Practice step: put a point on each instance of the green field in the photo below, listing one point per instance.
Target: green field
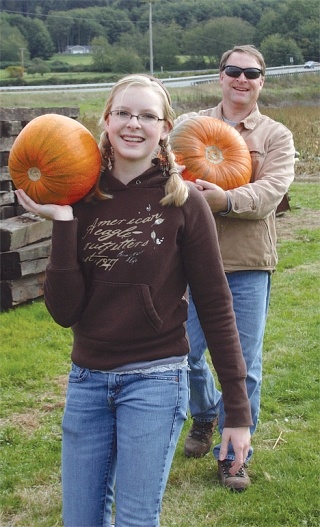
(285, 468)
(34, 358)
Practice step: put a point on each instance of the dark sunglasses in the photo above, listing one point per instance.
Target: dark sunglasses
(235, 71)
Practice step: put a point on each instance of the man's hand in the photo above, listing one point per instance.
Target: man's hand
(240, 439)
(215, 196)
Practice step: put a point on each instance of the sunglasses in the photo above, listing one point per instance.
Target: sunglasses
(235, 71)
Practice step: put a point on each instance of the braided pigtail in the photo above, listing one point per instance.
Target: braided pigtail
(106, 150)
(176, 189)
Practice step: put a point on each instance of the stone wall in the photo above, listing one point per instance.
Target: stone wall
(25, 239)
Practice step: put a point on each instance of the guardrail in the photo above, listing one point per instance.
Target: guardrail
(169, 82)
(270, 72)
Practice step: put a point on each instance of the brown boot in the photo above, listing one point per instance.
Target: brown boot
(239, 482)
(199, 439)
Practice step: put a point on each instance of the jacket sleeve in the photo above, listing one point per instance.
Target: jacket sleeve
(213, 301)
(64, 285)
(273, 173)
(273, 157)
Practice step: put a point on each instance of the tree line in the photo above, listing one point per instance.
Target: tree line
(186, 34)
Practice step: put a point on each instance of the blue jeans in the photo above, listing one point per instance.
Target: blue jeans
(250, 291)
(119, 436)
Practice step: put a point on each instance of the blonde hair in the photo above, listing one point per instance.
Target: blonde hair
(176, 190)
(250, 50)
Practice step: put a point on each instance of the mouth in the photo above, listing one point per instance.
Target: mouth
(132, 139)
(238, 88)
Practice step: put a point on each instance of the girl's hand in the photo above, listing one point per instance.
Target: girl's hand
(240, 439)
(48, 211)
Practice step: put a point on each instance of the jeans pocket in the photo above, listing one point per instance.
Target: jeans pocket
(78, 374)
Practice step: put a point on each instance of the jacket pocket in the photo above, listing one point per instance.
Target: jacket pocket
(246, 244)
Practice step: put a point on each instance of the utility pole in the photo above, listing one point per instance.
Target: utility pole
(150, 38)
(22, 59)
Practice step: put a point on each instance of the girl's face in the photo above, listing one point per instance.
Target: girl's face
(135, 140)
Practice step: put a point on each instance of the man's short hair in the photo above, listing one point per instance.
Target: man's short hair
(249, 50)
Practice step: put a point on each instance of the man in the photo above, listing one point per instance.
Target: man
(245, 219)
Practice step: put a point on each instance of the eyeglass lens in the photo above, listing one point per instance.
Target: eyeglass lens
(147, 118)
(235, 71)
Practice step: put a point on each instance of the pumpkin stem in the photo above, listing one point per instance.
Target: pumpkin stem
(214, 155)
(34, 173)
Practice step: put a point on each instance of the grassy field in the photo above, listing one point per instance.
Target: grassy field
(34, 358)
(285, 468)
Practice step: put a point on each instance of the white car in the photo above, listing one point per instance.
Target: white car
(310, 64)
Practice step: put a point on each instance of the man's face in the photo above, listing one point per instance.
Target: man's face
(241, 91)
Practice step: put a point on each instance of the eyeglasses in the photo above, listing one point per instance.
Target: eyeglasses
(235, 71)
(145, 118)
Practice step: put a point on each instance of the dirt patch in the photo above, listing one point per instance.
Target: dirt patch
(289, 225)
(297, 219)
(30, 420)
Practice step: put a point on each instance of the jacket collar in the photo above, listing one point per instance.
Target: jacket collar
(248, 122)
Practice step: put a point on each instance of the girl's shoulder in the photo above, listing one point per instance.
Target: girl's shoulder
(195, 195)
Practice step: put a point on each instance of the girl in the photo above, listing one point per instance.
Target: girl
(120, 263)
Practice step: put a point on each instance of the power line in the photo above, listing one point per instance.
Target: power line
(84, 17)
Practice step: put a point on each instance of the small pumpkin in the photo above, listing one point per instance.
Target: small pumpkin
(211, 150)
(54, 159)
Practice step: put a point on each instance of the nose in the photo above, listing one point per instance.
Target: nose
(242, 76)
(134, 123)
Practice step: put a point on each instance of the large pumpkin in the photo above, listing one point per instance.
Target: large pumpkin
(54, 159)
(211, 150)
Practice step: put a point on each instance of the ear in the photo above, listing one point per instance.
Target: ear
(166, 129)
(261, 82)
(106, 123)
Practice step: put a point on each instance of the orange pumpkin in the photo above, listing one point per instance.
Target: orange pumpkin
(54, 159)
(211, 150)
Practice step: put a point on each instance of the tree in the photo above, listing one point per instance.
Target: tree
(293, 19)
(40, 42)
(268, 25)
(38, 66)
(303, 26)
(14, 47)
(216, 36)
(166, 46)
(99, 21)
(59, 26)
(37, 35)
(277, 51)
(308, 44)
(15, 72)
(102, 54)
(126, 61)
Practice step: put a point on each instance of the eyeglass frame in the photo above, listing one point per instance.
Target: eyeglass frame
(242, 70)
(154, 118)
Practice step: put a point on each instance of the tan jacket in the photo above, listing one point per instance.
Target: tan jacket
(247, 234)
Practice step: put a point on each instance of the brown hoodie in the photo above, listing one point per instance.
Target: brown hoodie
(118, 274)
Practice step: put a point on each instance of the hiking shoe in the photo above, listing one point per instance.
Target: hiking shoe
(239, 482)
(199, 439)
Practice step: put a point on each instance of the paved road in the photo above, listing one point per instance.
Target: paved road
(174, 82)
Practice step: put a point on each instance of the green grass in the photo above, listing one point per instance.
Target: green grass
(76, 59)
(285, 467)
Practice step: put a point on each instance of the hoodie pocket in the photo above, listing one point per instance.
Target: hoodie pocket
(120, 311)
